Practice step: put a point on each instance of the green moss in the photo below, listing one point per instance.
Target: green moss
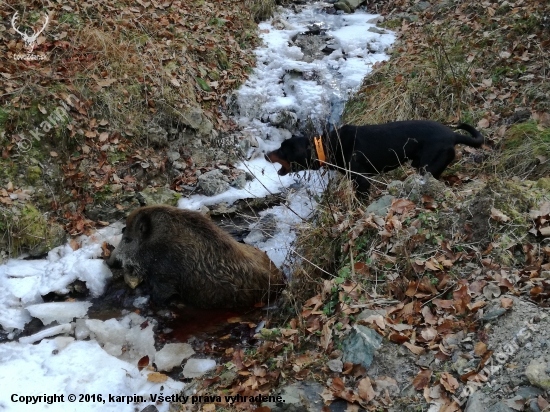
(391, 24)
(34, 173)
(116, 156)
(520, 133)
(70, 18)
(29, 232)
(222, 59)
(214, 75)
(525, 146)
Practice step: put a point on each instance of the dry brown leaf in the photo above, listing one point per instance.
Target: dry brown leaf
(449, 382)
(365, 390)
(417, 350)
(402, 206)
(506, 303)
(422, 380)
(157, 377)
(483, 124)
(480, 348)
(498, 215)
(428, 334)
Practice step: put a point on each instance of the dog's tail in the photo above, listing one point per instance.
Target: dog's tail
(476, 141)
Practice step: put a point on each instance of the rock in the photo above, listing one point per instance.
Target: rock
(366, 313)
(529, 392)
(150, 408)
(158, 196)
(179, 165)
(395, 188)
(360, 345)
(299, 397)
(420, 6)
(376, 30)
(500, 407)
(213, 182)
(240, 180)
(335, 365)
(376, 20)
(534, 406)
(109, 212)
(537, 373)
(476, 402)
(417, 185)
(173, 155)
(348, 6)
(194, 117)
(494, 314)
(195, 368)
(284, 118)
(171, 355)
(263, 230)
(381, 206)
(342, 5)
(157, 136)
(426, 360)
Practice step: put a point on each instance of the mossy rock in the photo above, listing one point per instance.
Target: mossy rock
(158, 196)
(28, 231)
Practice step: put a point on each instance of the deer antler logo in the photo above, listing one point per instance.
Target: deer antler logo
(29, 40)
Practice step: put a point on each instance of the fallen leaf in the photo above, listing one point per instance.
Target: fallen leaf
(422, 379)
(417, 350)
(365, 390)
(449, 382)
(480, 348)
(157, 377)
(498, 215)
(143, 362)
(506, 303)
(483, 124)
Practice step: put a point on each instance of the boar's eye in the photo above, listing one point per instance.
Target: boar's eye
(127, 239)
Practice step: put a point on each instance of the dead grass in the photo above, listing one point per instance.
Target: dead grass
(524, 152)
(434, 84)
(318, 246)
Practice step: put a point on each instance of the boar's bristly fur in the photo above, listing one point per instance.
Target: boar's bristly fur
(182, 252)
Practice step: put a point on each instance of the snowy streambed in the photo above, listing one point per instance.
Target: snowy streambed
(310, 62)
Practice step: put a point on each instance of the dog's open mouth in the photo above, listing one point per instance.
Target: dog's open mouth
(274, 158)
(282, 171)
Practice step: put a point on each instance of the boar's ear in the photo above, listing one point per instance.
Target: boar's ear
(144, 226)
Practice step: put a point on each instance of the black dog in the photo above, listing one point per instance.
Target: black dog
(373, 149)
